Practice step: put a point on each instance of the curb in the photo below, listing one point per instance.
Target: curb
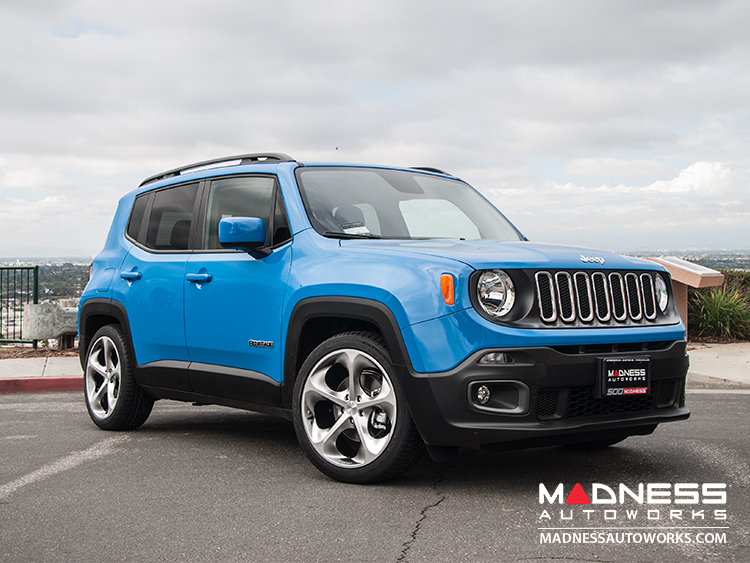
(40, 384)
(698, 381)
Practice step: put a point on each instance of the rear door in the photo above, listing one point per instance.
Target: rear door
(150, 283)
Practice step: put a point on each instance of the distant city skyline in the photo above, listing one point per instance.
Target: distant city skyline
(619, 126)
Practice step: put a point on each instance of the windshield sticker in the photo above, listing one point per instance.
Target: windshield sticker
(355, 228)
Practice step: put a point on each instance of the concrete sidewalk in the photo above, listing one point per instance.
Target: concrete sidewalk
(723, 366)
(27, 375)
(712, 366)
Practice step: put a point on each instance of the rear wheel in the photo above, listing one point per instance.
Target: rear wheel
(350, 413)
(113, 398)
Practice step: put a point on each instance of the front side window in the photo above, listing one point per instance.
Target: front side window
(246, 196)
(398, 204)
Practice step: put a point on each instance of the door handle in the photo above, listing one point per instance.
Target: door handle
(199, 278)
(131, 276)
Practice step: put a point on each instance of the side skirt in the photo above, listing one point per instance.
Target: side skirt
(212, 384)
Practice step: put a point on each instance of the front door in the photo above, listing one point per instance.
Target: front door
(233, 300)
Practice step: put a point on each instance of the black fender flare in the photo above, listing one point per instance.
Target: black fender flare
(106, 308)
(354, 308)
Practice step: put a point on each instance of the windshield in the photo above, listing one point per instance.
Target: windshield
(379, 203)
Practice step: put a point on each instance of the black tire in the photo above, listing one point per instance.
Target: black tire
(350, 412)
(113, 398)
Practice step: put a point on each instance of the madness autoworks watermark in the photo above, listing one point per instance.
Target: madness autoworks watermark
(656, 513)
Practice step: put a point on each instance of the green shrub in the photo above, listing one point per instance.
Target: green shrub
(738, 280)
(719, 312)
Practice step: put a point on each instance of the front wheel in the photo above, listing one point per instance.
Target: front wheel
(350, 413)
(114, 399)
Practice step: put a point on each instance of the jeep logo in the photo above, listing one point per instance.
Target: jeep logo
(597, 259)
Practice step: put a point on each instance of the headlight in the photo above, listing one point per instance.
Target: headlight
(496, 293)
(662, 297)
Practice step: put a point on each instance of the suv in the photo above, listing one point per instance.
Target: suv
(380, 309)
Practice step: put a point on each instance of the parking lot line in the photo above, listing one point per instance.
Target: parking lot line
(96, 451)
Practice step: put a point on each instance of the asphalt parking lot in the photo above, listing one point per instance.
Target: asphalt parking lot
(215, 484)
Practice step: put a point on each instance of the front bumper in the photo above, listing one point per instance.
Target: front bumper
(547, 395)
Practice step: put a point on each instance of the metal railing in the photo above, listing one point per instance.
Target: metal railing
(19, 285)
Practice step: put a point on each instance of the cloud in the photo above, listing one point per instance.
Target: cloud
(702, 177)
(537, 102)
(615, 167)
(704, 205)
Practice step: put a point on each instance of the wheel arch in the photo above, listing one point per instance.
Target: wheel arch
(96, 313)
(316, 319)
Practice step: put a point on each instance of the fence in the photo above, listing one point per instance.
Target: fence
(18, 286)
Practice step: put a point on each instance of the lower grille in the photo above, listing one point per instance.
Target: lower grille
(546, 403)
(582, 403)
(579, 402)
(665, 397)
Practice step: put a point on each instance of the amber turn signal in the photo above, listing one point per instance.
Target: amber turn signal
(446, 285)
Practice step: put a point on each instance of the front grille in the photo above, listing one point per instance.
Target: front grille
(585, 297)
(580, 402)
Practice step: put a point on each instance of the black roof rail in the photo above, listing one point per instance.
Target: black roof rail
(430, 169)
(254, 158)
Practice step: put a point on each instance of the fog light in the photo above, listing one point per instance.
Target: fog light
(496, 358)
(483, 394)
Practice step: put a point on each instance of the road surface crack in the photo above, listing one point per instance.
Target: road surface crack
(442, 476)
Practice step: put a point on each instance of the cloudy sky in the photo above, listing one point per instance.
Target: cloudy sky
(617, 125)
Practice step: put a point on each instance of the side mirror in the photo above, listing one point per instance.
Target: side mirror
(244, 233)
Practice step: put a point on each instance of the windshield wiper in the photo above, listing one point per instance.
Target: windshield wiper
(332, 234)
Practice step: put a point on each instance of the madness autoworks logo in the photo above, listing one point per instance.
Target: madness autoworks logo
(642, 513)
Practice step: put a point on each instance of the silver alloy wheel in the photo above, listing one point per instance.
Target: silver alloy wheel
(103, 377)
(348, 408)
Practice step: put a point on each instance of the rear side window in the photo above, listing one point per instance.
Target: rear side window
(171, 218)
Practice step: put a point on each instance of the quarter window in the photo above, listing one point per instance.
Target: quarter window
(136, 217)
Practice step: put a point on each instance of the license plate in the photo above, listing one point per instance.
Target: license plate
(624, 377)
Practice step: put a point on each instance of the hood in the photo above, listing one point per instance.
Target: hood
(482, 255)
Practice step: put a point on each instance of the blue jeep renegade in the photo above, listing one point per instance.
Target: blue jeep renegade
(380, 309)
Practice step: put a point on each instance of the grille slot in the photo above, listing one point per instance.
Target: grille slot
(617, 288)
(634, 296)
(649, 299)
(546, 298)
(565, 296)
(601, 296)
(584, 297)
